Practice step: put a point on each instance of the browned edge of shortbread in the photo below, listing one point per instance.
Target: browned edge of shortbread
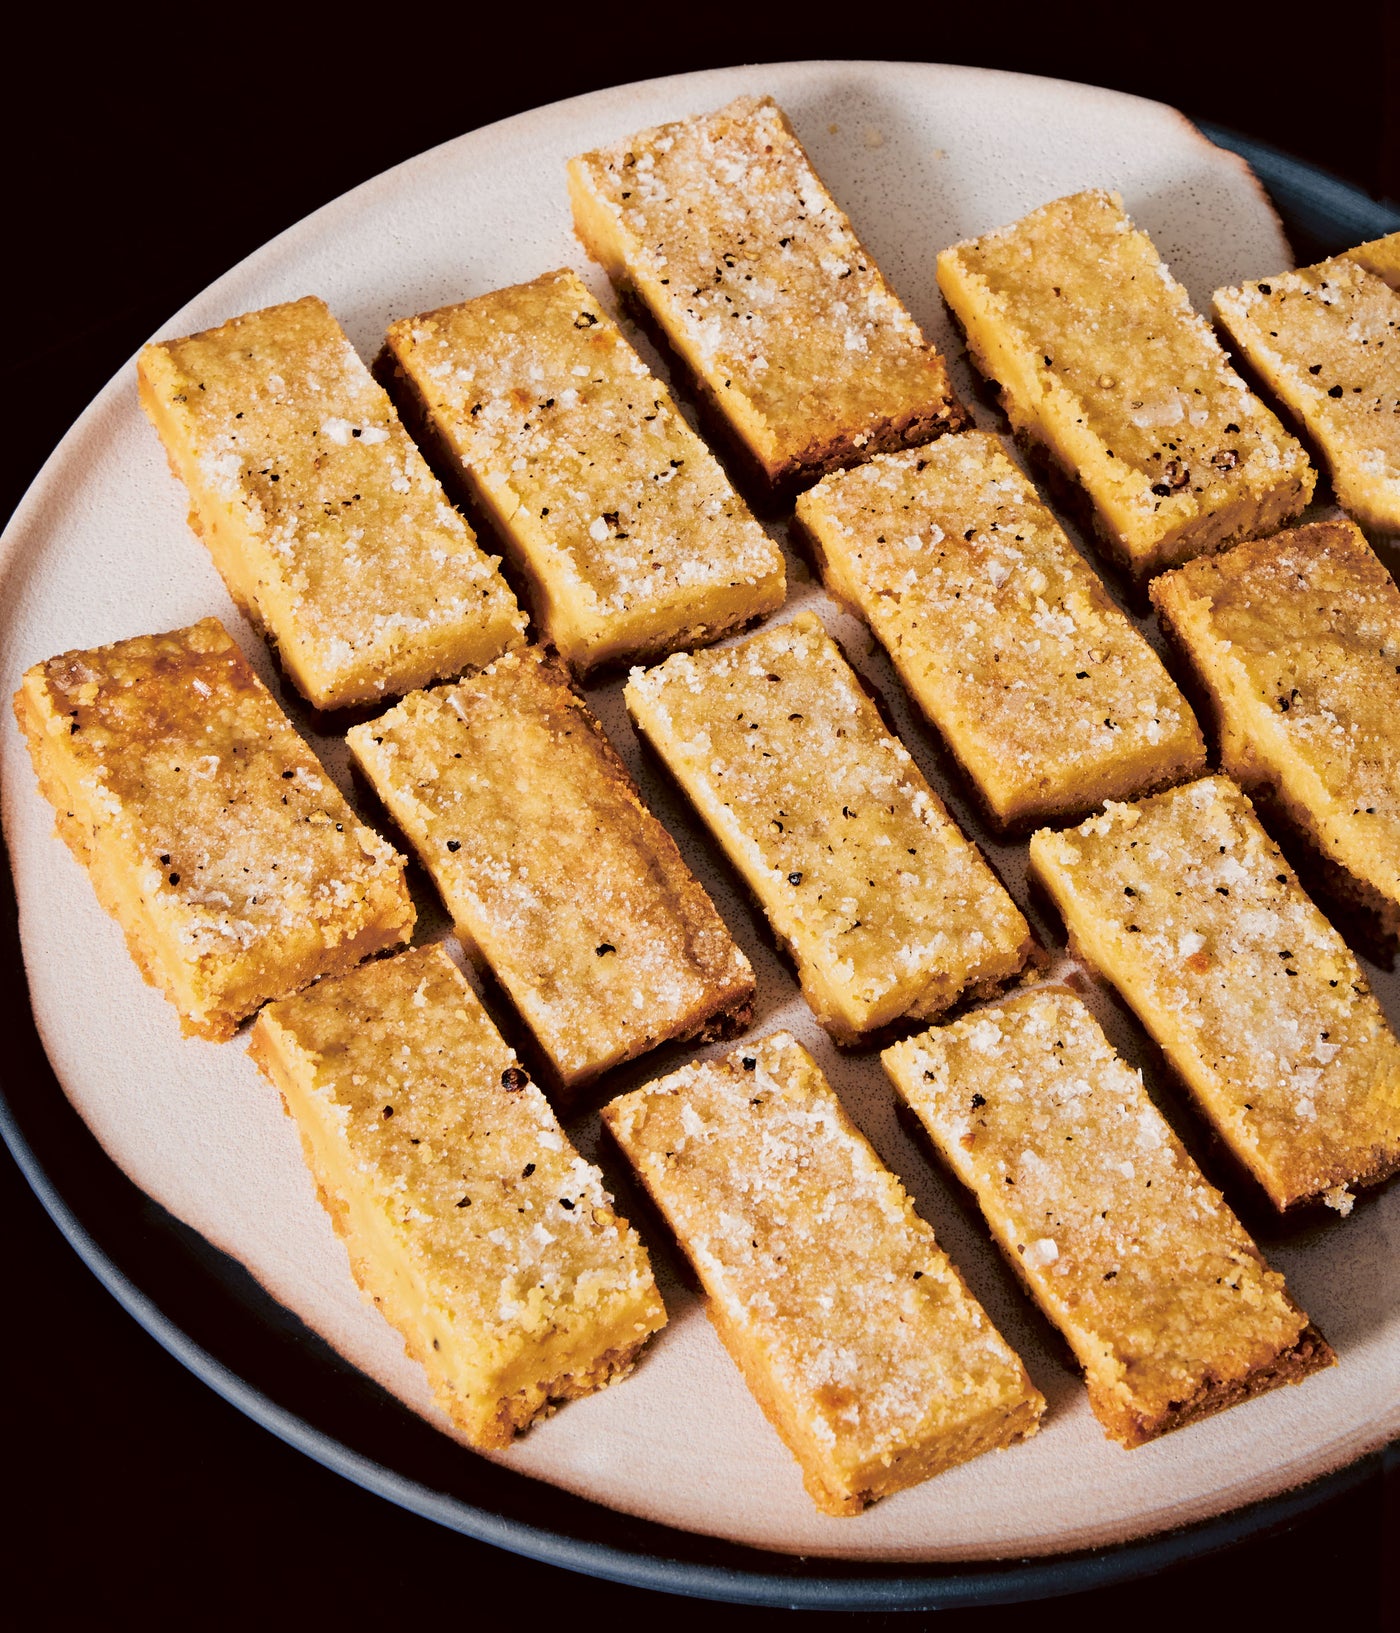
(1311, 1353)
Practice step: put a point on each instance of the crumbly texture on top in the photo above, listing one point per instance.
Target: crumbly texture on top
(1047, 694)
(1381, 256)
(1191, 911)
(553, 869)
(470, 1218)
(887, 908)
(858, 1337)
(322, 516)
(630, 528)
(234, 864)
(1103, 365)
(1136, 1259)
(1326, 341)
(721, 226)
(1297, 640)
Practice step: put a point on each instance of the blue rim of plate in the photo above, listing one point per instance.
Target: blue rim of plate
(205, 1309)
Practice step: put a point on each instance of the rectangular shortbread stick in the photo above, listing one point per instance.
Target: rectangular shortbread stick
(211, 834)
(555, 873)
(852, 1328)
(887, 909)
(1050, 699)
(329, 529)
(470, 1220)
(719, 226)
(1190, 910)
(1296, 641)
(1103, 367)
(1161, 1293)
(1325, 340)
(630, 535)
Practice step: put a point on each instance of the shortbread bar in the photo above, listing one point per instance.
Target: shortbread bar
(855, 1333)
(555, 873)
(1103, 368)
(210, 832)
(886, 908)
(719, 226)
(1185, 904)
(1381, 257)
(470, 1219)
(1325, 340)
(1158, 1288)
(1296, 640)
(329, 529)
(628, 531)
(1048, 696)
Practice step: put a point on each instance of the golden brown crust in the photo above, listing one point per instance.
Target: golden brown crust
(856, 1335)
(887, 910)
(1295, 641)
(469, 1219)
(210, 832)
(1312, 1353)
(552, 866)
(1187, 906)
(629, 534)
(1322, 340)
(1047, 696)
(1114, 1232)
(324, 521)
(720, 217)
(1100, 360)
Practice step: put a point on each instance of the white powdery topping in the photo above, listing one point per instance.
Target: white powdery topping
(763, 269)
(984, 1036)
(1042, 1252)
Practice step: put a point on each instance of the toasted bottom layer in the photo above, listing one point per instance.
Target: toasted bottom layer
(1312, 1353)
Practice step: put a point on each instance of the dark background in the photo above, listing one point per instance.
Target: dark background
(148, 160)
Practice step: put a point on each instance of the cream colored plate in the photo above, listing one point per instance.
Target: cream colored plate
(920, 157)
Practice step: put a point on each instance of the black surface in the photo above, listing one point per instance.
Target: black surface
(135, 1489)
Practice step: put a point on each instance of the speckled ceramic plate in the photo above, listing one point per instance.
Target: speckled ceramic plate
(672, 1479)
